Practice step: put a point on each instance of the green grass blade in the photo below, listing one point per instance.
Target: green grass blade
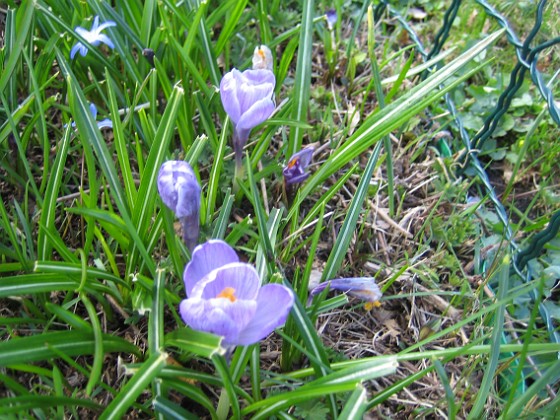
(264, 239)
(120, 142)
(44, 248)
(355, 406)
(521, 406)
(19, 405)
(197, 342)
(303, 77)
(156, 322)
(134, 387)
(26, 10)
(340, 247)
(488, 378)
(36, 348)
(96, 368)
(169, 410)
(230, 397)
(215, 172)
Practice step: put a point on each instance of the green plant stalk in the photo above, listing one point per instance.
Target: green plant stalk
(519, 374)
(228, 396)
(302, 77)
(381, 102)
(134, 387)
(488, 378)
(97, 367)
(345, 235)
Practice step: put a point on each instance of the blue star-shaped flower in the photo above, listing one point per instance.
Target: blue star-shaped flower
(93, 36)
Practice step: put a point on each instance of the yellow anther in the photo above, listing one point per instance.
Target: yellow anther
(228, 293)
(370, 305)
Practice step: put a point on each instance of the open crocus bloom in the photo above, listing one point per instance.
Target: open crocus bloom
(93, 37)
(225, 297)
(179, 190)
(294, 172)
(248, 100)
(363, 288)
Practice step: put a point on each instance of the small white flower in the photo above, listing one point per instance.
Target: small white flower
(93, 36)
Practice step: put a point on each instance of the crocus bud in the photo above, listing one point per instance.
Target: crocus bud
(179, 190)
(294, 172)
(248, 100)
(331, 18)
(262, 58)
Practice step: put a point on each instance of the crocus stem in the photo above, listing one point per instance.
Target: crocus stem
(238, 143)
(223, 405)
(190, 225)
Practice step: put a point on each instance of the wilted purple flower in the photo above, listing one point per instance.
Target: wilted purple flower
(363, 288)
(179, 190)
(331, 18)
(93, 36)
(248, 100)
(225, 297)
(294, 172)
(262, 58)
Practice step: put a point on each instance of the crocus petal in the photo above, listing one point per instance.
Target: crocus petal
(206, 258)
(93, 110)
(331, 18)
(106, 40)
(256, 114)
(239, 277)
(261, 77)
(78, 47)
(296, 179)
(104, 25)
(218, 316)
(274, 303)
(84, 33)
(304, 156)
(294, 171)
(363, 288)
(178, 187)
(228, 94)
(106, 123)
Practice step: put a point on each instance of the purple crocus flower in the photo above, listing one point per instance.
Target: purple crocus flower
(225, 297)
(331, 18)
(179, 190)
(294, 172)
(93, 37)
(363, 288)
(248, 100)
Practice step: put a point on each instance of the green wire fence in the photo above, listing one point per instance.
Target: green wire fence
(527, 58)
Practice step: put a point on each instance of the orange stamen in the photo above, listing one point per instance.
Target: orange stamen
(228, 293)
(261, 53)
(292, 163)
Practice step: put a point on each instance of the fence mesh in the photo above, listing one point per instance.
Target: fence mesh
(527, 55)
